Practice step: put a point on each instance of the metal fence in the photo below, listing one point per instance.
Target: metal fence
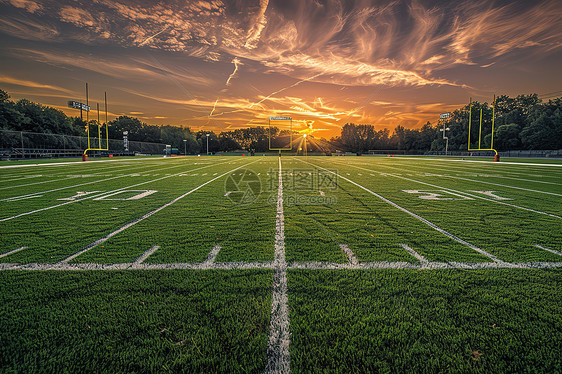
(22, 144)
(522, 153)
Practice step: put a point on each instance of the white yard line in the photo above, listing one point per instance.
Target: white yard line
(31, 184)
(100, 180)
(91, 162)
(503, 185)
(99, 195)
(12, 252)
(424, 266)
(484, 162)
(430, 224)
(278, 358)
(20, 178)
(420, 258)
(470, 169)
(130, 224)
(349, 254)
(295, 265)
(549, 250)
(460, 192)
(145, 255)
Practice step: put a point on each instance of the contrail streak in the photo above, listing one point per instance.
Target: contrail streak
(214, 106)
(284, 89)
(236, 63)
(153, 36)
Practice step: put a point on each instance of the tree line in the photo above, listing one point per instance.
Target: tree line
(521, 123)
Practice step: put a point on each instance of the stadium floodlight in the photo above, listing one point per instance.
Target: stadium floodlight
(207, 143)
(185, 147)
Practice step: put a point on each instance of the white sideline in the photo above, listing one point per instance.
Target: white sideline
(420, 258)
(101, 194)
(132, 223)
(430, 224)
(549, 250)
(278, 358)
(461, 192)
(145, 255)
(349, 254)
(12, 252)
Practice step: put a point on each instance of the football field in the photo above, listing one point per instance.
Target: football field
(278, 264)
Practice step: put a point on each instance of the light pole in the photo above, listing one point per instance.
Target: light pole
(185, 147)
(443, 117)
(207, 143)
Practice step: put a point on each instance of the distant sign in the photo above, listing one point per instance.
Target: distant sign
(280, 118)
(78, 105)
(445, 115)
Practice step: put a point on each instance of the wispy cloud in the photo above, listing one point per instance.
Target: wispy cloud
(359, 43)
(342, 47)
(29, 5)
(30, 84)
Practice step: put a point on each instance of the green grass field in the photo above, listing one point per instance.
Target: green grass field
(253, 264)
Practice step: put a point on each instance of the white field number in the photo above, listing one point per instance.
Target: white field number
(447, 195)
(125, 195)
(437, 195)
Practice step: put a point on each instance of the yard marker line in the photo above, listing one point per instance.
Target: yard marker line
(421, 259)
(461, 192)
(98, 195)
(430, 224)
(549, 250)
(212, 255)
(12, 252)
(132, 223)
(278, 357)
(349, 254)
(145, 255)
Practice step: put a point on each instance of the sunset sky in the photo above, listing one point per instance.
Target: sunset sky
(226, 64)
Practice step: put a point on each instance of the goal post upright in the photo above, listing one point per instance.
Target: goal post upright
(496, 156)
(274, 148)
(100, 148)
